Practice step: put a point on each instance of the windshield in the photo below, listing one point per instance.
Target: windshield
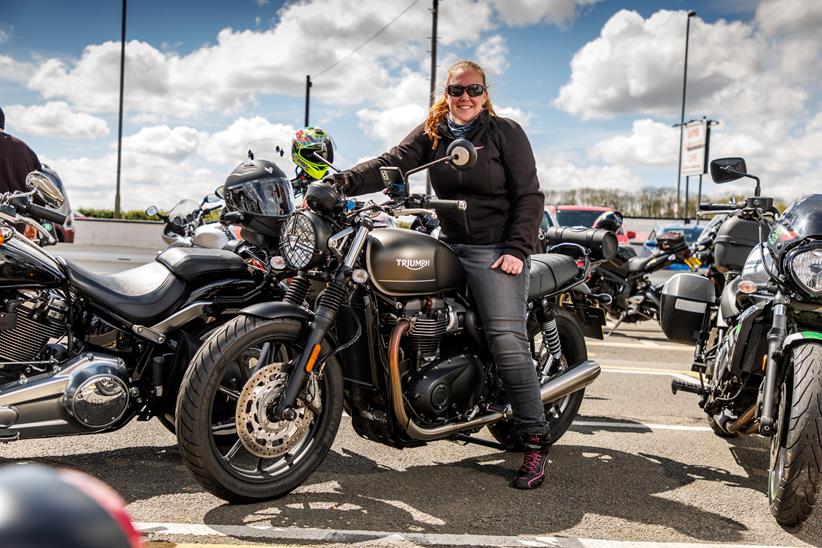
(273, 150)
(709, 232)
(183, 208)
(577, 217)
(801, 220)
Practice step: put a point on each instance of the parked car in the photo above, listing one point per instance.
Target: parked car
(690, 232)
(65, 232)
(583, 215)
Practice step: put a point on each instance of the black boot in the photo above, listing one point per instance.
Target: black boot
(532, 472)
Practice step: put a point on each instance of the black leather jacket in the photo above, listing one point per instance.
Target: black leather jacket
(505, 205)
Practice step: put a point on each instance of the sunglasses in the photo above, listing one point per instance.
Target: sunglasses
(456, 90)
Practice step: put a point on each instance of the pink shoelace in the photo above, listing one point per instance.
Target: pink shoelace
(532, 461)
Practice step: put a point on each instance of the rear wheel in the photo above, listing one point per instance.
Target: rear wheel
(559, 413)
(227, 439)
(796, 448)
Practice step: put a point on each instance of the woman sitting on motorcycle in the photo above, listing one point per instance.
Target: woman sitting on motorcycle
(505, 207)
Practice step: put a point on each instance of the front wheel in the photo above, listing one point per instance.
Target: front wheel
(227, 439)
(559, 413)
(796, 448)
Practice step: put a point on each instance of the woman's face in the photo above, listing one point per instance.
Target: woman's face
(464, 108)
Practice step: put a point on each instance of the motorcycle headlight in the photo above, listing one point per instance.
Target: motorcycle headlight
(303, 240)
(806, 269)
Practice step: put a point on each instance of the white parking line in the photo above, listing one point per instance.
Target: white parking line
(267, 533)
(639, 426)
(644, 344)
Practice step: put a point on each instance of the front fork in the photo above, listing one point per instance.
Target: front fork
(773, 368)
(329, 304)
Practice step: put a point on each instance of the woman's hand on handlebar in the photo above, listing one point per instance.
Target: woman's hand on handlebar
(508, 264)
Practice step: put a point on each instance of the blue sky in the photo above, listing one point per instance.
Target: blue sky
(596, 84)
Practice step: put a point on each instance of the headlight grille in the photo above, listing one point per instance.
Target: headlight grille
(298, 241)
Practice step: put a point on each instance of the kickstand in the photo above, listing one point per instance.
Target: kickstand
(477, 441)
(619, 321)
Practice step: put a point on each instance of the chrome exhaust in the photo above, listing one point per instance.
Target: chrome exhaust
(567, 382)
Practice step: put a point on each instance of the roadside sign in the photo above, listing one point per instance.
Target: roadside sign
(694, 148)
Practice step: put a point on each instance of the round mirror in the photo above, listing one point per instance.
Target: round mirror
(212, 198)
(463, 154)
(45, 187)
(152, 210)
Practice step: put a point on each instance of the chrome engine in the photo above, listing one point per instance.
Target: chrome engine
(438, 385)
(84, 394)
(28, 322)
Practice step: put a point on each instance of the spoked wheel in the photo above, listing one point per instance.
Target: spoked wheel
(227, 437)
(559, 413)
(795, 475)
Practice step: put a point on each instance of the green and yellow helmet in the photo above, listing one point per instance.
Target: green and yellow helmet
(305, 143)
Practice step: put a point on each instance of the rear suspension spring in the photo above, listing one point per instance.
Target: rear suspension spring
(550, 333)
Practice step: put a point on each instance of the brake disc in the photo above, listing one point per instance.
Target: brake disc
(260, 435)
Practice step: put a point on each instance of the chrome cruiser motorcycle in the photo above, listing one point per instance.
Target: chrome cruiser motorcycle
(82, 352)
(759, 346)
(393, 339)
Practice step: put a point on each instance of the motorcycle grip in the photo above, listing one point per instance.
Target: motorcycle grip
(436, 203)
(45, 214)
(705, 206)
(602, 243)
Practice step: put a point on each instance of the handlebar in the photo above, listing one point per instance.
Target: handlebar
(47, 214)
(706, 206)
(436, 203)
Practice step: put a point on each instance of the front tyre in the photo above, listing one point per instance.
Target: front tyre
(560, 413)
(270, 458)
(796, 448)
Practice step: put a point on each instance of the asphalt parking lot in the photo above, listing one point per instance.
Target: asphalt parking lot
(638, 465)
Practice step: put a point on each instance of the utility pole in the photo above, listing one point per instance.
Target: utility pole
(691, 13)
(307, 96)
(120, 125)
(434, 12)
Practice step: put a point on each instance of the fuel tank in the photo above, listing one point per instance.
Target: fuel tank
(24, 264)
(405, 263)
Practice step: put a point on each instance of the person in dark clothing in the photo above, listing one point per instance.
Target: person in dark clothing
(505, 208)
(16, 160)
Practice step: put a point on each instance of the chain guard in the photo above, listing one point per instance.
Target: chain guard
(261, 436)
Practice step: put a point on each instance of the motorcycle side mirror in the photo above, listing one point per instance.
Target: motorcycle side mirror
(219, 192)
(152, 210)
(725, 170)
(45, 188)
(212, 198)
(463, 154)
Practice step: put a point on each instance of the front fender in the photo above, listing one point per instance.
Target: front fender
(795, 338)
(277, 309)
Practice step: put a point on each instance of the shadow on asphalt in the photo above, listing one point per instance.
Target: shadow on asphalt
(351, 491)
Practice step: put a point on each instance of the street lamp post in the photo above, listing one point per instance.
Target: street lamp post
(691, 13)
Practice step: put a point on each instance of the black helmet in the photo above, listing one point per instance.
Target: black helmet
(609, 220)
(262, 193)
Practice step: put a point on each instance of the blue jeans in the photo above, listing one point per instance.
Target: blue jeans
(501, 301)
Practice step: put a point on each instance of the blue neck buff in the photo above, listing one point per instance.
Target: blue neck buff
(460, 131)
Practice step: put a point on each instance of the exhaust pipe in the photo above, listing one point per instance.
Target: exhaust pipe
(567, 382)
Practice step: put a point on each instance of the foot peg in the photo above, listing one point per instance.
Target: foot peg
(687, 386)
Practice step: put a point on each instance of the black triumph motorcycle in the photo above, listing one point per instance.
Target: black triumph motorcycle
(626, 278)
(82, 352)
(759, 344)
(393, 340)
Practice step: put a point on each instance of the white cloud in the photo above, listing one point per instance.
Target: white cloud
(55, 119)
(635, 66)
(528, 12)
(391, 125)
(492, 55)
(789, 16)
(229, 146)
(4, 36)
(560, 172)
(516, 114)
(650, 143)
(15, 71)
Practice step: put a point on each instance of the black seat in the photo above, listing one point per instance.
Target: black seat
(638, 264)
(549, 272)
(142, 295)
(202, 264)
